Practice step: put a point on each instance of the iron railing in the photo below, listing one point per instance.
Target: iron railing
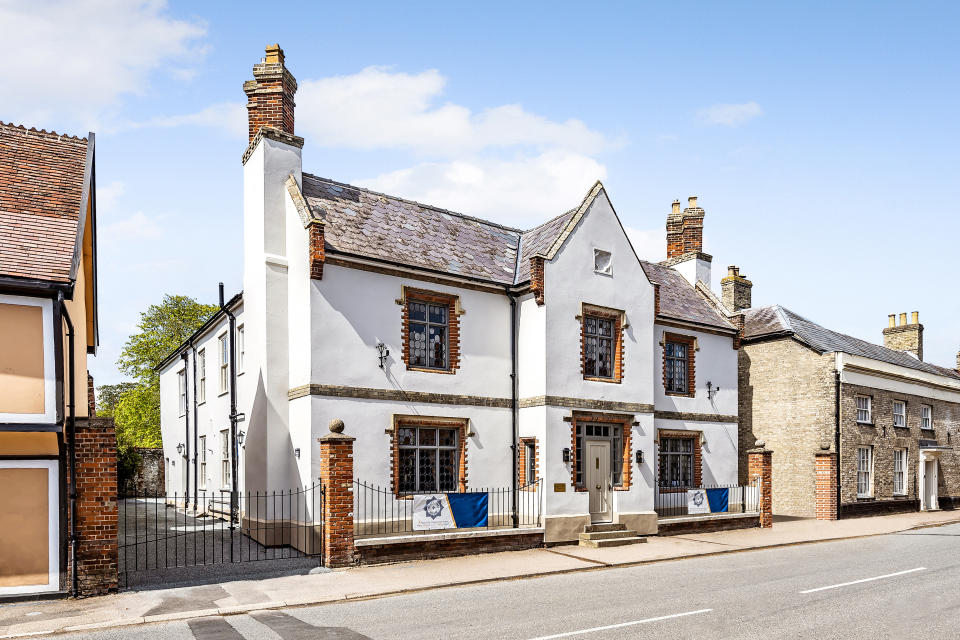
(672, 501)
(379, 511)
(159, 532)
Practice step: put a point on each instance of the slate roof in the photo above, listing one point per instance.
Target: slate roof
(537, 241)
(41, 188)
(776, 320)
(680, 300)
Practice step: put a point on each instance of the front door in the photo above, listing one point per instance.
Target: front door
(930, 485)
(598, 479)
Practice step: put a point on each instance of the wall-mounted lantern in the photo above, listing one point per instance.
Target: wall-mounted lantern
(566, 454)
(384, 353)
(711, 391)
(296, 452)
(180, 448)
(639, 456)
(241, 435)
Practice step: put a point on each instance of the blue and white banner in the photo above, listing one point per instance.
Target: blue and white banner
(707, 500)
(449, 511)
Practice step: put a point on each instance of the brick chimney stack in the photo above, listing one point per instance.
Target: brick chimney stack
(270, 94)
(904, 336)
(692, 226)
(736, 290)
(675, 231)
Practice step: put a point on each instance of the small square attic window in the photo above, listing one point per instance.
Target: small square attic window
(602, 262)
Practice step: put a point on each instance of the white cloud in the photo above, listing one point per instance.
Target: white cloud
(108, 195)
(650, 244)
(377, 108)
(729, 115)
(73, 60)
(522, 191)
(229, 116)
(138, 226)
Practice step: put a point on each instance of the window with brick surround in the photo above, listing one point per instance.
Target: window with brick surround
(611, 432)
(678, 365)
(864, 409)
(926, 416)
(601, 344)
(677, 461)
(864, 472)
(428, 459)
(899, 413)
(431, 331)
(899, 472)
(527, 464)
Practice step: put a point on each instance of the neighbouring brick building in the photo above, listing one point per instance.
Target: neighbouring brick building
(49, 436)
(870, 428)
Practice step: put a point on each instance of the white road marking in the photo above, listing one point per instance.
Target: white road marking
(845, 584)
(622, 624)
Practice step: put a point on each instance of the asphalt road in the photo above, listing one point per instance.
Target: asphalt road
(904, 585)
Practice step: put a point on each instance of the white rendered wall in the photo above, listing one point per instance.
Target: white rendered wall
(718, 448)
(715, 362)
(694, 270)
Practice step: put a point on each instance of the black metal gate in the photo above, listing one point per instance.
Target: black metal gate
(182, 538)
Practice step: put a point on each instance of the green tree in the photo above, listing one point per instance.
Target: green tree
(108, 396)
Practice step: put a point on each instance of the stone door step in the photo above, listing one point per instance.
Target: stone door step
(607, 535)
(611, 542)
(604, 526)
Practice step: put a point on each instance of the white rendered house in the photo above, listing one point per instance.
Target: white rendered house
(459, 353)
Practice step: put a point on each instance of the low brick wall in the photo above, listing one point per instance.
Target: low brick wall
(668, 527)
(878, 507)
(423, 550)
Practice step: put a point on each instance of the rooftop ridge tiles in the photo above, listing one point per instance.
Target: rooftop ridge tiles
(415, 202)
(43, 132)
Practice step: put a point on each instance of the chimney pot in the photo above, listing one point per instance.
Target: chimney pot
(692, 202)
(901, 336)
(915, 317)
(892, 320)
(675, 207)
(903, 319)
(732, 271)
(274, 54)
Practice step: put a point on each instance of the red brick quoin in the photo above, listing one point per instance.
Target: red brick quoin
(96, 449)
(336, 476)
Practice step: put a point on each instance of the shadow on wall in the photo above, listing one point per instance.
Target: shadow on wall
(747, 438)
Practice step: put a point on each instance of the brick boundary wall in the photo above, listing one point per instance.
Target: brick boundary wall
(96, 454)
(760, 467)
(400, 552)
(336, 476)
(728, 523)
(826, 485)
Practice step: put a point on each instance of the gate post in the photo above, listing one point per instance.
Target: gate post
(760, 470)
(336, 477)
(826, 501)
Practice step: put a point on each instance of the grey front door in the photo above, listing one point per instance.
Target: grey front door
(598, 480)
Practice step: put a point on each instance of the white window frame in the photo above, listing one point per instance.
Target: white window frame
(900, 417)
(53, 526)
(926, 417)
(202, 446)
(182, 392)
(201, 366)
(223, 348)
(225, 479)
(864, 410)
(899, 472)
(241, 341)
(865, 472)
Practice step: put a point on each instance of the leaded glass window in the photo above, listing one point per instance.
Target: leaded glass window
(429, 333)
(429, 459)
(611, 432)
(676, 462)
(676, 357)
(598, 347)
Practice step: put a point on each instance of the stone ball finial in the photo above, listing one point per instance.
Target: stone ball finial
(760, 444)
(336, 425)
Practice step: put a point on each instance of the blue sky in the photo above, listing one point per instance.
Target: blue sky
(819, 137)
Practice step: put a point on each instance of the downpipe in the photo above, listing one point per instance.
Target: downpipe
(71, 445)
(196, 423)
(514, 405)
(234, 417)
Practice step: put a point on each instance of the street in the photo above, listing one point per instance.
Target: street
(887, 586)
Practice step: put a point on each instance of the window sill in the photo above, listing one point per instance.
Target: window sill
(239, 373)
(596, 379)
(677, 394)
(201, 403)
(866, 424)
(223, 393)
(859, 497)
(429, 370)
(928, 429)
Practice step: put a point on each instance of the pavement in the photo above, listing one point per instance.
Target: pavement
(255, 597)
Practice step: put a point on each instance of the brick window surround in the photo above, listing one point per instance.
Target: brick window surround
(401, 421)
(697, 437)
(691, 344)
(454, 311)
(619, 325)
(625, 422)
(522, 462)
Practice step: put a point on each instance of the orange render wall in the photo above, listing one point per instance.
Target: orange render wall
(77, 308)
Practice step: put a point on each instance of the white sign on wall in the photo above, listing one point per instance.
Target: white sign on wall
(432, 511)
(697, 501)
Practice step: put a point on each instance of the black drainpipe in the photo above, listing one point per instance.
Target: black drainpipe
(836, 436)
(234, 418)
(185, 356)
(72, 445)
(513, 403)
(196, 422)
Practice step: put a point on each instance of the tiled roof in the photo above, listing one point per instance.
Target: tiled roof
(364, 223)
(776, 320)
(679, 300)
(41, 186)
